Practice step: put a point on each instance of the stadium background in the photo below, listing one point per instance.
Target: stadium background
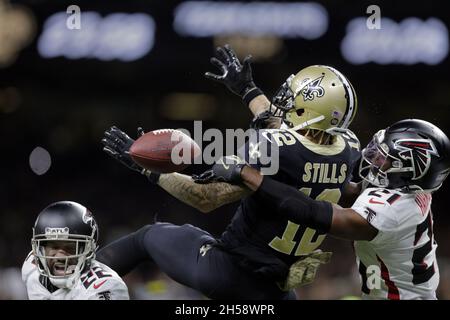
(64, 103)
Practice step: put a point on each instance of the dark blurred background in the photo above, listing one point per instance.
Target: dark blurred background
(141, 63)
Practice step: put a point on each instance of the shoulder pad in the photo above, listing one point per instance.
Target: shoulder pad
(375, 205)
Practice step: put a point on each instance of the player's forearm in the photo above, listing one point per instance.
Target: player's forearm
(348, 224)
(204, 197)
(288, 201)
(295, 205)
(329, 218)
(261, 104)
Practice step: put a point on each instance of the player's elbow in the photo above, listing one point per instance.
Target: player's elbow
(206, 206)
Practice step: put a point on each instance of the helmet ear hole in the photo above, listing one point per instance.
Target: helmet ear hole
(300, 112)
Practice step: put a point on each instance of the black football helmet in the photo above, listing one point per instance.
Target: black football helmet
(69, 222)
(411, 154)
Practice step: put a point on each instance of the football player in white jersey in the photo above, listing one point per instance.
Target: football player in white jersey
(391, 221)
(62, 265)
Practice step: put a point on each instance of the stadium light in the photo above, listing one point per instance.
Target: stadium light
(40, 161)
(17, 29)
(307, 20)
(408, 42)
(121, 36)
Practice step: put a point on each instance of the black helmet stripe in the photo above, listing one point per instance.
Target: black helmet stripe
(350, 97)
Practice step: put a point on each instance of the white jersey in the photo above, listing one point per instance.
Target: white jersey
(98, 283)
(400, 262)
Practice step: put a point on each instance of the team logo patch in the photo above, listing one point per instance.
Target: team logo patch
(313, 89)
(105, 295)
(89, 219)
(370, 214)
(419, 152)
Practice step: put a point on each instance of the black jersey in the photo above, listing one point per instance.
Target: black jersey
(265, 242)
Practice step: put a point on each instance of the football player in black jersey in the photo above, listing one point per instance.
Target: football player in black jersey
(259, 252)
(391, 222)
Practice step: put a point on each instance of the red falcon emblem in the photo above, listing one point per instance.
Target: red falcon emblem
(419, 151)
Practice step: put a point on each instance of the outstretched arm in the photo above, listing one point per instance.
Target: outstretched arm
(204, 197)
(296, 206)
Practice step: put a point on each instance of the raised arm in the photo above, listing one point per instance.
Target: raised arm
(238, 79)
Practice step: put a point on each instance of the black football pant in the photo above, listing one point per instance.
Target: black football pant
(185, 254)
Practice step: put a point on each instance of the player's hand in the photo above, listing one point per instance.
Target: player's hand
(236, 76)
(117, 144)
(227, 169)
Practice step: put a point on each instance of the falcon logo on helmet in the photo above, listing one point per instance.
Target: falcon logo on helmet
(313, 87)
(411, 154)
(419, 153)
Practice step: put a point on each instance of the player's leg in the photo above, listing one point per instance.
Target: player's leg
(175, 249)
(221, 277)
(182, 252)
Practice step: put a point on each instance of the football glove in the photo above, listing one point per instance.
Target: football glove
(227, 169)
(235, 76)
(117, 145)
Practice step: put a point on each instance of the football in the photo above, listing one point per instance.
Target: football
(164, 151)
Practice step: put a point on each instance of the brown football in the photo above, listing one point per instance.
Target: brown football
(164, 151)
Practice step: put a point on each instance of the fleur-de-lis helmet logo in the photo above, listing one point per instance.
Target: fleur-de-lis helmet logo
(312, 89)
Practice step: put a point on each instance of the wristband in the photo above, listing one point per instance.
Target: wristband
(251, 94)
(153, 177)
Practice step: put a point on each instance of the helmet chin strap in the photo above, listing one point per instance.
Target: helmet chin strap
(308, 123)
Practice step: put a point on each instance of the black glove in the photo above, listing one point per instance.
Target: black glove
(237, 77)
(227, 169)
(117, 144)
